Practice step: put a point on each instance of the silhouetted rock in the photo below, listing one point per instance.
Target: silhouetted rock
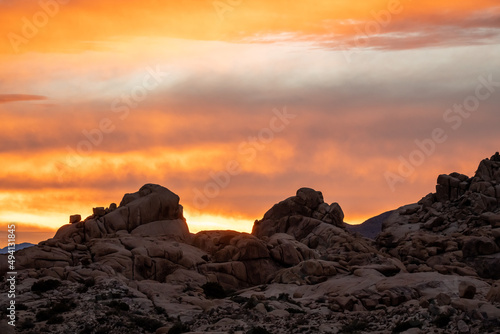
(75, 219)
(137, 266)
(453, 230)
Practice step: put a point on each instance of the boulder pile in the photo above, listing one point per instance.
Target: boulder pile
(136, 268)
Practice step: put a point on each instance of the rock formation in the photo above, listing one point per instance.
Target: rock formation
(136, 268)
(455, 230)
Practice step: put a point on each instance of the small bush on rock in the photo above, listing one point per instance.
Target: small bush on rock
(354, 326)
(45, 285)
(146, 323)
(258, 330)
(214, 290)
(179, 328)
(406, 325)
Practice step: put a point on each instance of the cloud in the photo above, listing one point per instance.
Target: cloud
(407, 30)
(325, 23)
(5, 98)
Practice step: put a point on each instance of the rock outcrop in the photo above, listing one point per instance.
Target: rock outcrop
(454, 230)
(135, 267)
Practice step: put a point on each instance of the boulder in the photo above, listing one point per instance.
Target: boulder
(494, 294)
(306, 272)
(75, 219)
(177, 229)
(151, 203)
(294, 211)
(466, 290)
(99, 211)
(475, 246)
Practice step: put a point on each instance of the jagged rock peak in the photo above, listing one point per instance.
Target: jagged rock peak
(485, 184)
(458, 227)
(489, 169)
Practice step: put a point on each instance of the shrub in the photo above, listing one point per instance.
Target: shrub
(45, 285)
(146, 323)
(239, 299)
(179, 328)
(89, 282)
(119, 305)
(57, 319)
(251, 303)
(21, 307)
(82, 289)
(354, 326)
(161, 310)
(258, 330)
(442, 320)
(285, 297)
(27, 324)
(294, 310)
(43, 315)
(213, 290)
(64, 305)
(406, 325)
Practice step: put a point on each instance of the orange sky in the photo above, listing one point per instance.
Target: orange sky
(98, 98)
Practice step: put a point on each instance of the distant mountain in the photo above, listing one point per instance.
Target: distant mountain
(18, 247)
(371, 227)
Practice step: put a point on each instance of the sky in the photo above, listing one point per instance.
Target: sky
(236, 104)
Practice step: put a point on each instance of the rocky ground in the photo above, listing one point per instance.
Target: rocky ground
(135, 268)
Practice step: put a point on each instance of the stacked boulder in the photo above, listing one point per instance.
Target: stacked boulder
(455, 230)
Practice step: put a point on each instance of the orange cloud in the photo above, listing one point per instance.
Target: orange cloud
(4, 98)
(68, 141)
(82, 25)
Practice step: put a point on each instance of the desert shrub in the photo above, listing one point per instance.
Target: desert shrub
(26, 324)
(489, 325)
(119, 305)
(64, 305)
(239, 299)
(285, 297)
(88, 329)
(82, 289)
(179, 328)
(354, 326)
(45, 285)
(21, 307)
(89, 282)
(321, 300)
(293, 310)
(161, 310)
(406, 325)
(442, 320)
(57, 319)
(50, 316)
(146, 323)
(214, 290)
(258, 330)
(251, 303)
(43, 315)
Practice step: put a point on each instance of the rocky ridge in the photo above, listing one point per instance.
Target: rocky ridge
(136, 268)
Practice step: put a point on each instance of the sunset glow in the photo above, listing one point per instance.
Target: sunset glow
(234, 105)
